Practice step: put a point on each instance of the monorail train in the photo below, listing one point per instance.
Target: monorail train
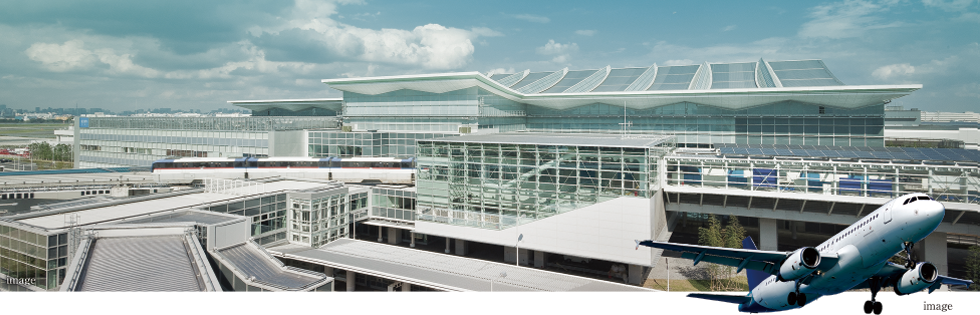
(349, 170)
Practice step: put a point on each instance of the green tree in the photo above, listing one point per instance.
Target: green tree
(721, 277)
(973, 267)
(62, 152)
(40, 150)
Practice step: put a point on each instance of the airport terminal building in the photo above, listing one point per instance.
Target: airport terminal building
(578, 164)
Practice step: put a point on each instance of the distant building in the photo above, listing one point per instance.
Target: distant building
(138, 141)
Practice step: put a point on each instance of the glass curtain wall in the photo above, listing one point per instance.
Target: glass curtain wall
(944, 183)
(318, 220)
(332, 143)
(28, 256)
(394, 204)
(781, 123)
(499, 185)
(267, 214)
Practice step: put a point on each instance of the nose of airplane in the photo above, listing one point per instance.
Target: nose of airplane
(933, 211)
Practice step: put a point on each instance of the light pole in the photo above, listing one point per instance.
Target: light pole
(518, 247)
(501, 276)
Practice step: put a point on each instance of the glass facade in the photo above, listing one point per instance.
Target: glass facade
(393, 204)
(33, 257)
(267, 214)
(318, 219)
(327, 143)
(945, 183)
(138, 141)
(409, 110)
(490, 185)
(781, 123)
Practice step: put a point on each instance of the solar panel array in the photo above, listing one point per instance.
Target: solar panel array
(841, 152)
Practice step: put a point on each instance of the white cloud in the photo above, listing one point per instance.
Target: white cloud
(532, 18)
(586, 32)
(949, 6)
(430, 46)
(889, 71)
(60, 58)
(729, 28)
(72, 55)
(553, 48)
(846, 19)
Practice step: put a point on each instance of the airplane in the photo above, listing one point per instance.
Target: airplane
(855, 258)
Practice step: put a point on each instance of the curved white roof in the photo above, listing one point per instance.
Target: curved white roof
(731, 86)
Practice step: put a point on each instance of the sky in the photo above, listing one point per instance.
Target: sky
(192, 54)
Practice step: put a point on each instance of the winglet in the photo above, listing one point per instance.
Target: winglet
(754, 277)
(637, 244)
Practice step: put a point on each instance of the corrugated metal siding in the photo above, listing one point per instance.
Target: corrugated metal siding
(140, 275)
(158, 263)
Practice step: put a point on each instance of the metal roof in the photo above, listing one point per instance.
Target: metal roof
(56, 220)
(440, 271)
(653, 88)
(534, 138)
(190, 216)
(886, 153)
(293, 105)
(253, 262)
(159, 263)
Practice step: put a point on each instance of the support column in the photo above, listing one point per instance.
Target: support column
(768, 238)
(391, 298)
(333, 293)
(413, 239)
(381, 234)
(350, 292)
(447, 244)
(510, 254)
(636, 274)
(394, 236)
(462, 247)
(406, 299)
(525, 257)
(539, 259)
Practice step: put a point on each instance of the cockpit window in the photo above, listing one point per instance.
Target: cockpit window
(923, 198)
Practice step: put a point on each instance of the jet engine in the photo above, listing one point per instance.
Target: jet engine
(918, 278)
(799, 264)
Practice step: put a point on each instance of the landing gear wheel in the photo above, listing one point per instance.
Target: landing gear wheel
(801, 299)
(868, 307)
(791, 299)
(877, 308)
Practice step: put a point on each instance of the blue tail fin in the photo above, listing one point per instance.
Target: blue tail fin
(755, 277)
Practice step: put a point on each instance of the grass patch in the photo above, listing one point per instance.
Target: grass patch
(30, 130)
(684, 285)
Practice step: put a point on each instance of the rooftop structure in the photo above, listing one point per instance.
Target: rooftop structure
(140, 259)
(444, 272)
(774, 102)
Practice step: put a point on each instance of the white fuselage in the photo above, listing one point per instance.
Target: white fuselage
(863, 249)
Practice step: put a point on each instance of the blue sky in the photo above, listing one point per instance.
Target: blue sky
(123, 55)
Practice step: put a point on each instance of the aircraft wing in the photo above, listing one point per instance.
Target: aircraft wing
(737, 299)
(893, 271)
(754, 259)
(949, 281)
